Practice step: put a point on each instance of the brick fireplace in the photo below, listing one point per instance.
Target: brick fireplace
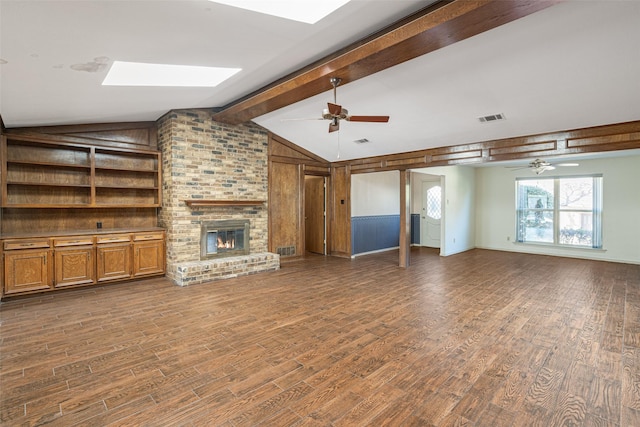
(203, 160)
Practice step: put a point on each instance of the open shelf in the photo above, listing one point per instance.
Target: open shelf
(42, 196)
(112, 196)
(48, 184)
(48, 154)
(49, 164)
(125, 161)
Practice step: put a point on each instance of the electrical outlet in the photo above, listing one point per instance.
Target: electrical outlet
(99, 224)
(508, 238)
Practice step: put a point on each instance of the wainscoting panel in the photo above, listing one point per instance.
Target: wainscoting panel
(415, 229)
(372, 233)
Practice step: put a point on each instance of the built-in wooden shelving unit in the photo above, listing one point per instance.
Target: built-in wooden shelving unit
(39, 174)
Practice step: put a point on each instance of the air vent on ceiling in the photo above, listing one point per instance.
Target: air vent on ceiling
(361, 141)
(492, 118)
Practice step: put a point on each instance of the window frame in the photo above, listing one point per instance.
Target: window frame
(556, 210)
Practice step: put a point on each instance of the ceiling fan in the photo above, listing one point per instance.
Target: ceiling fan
(539, 166)
(336, 112)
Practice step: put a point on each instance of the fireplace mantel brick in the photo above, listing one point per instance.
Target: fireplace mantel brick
(203, 159)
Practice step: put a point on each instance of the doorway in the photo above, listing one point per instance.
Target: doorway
(315, 214)
(431, 215)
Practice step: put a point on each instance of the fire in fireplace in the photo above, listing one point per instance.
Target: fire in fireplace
(224, 238)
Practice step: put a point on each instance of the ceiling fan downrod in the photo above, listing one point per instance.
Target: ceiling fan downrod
(335, 81)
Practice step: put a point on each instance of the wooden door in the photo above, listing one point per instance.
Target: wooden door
(148, 258)
(314, 211)
(114, 261)
(27, 271)
(74, 266)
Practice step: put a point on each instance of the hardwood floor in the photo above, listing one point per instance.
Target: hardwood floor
(481, 338)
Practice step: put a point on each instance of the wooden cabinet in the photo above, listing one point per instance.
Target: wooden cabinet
(53, 262)
(74, 261)
(43, 174)
(114, 257)
(27, 266)
(148, 254)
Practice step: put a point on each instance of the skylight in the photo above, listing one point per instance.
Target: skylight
(308, 11)
(141, 74)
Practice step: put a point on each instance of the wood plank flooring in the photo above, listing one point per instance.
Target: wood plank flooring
(482, 338)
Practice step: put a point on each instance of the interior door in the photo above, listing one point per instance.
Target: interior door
(314, 214)
(430, 221)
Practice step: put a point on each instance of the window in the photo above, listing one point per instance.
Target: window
(560, 211)
(434, 204)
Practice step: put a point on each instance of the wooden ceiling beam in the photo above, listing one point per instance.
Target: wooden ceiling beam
(435, 27)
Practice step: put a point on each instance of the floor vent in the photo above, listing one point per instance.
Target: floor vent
(492, 118)
(286, 250)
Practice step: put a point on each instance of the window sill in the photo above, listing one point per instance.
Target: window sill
(563, 247)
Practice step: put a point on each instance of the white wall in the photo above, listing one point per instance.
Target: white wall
(495, 209)
(458, 221)
(376, 193)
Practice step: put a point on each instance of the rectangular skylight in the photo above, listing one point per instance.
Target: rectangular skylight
(141, 74)
(308, 11)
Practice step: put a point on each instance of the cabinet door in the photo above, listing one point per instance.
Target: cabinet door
(27, 271)
(114, 261)
(74, 266)
(148, 258)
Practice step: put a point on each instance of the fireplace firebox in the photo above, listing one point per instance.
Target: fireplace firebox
(224, 238)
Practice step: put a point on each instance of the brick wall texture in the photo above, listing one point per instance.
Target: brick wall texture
(203, 159)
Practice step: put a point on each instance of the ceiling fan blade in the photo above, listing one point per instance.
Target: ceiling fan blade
(372, 119)
(334, 109)
(568, 164)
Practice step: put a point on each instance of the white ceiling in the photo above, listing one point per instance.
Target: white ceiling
(575, 64)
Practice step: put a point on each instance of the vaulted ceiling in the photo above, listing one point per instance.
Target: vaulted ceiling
(544, 66)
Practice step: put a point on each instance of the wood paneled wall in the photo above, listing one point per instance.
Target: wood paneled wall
(340, 211)
(137, 135)
(24, 221)
(288, 165)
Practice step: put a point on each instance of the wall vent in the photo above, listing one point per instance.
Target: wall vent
(492, 118)
(361, 141)
(286, 250)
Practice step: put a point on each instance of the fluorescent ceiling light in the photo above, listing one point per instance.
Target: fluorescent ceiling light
(309, 11)
(140, 74)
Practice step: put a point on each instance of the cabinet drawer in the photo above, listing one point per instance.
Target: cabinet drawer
(113, 238)
(26, 244)
(155, 235)
(73, 241)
